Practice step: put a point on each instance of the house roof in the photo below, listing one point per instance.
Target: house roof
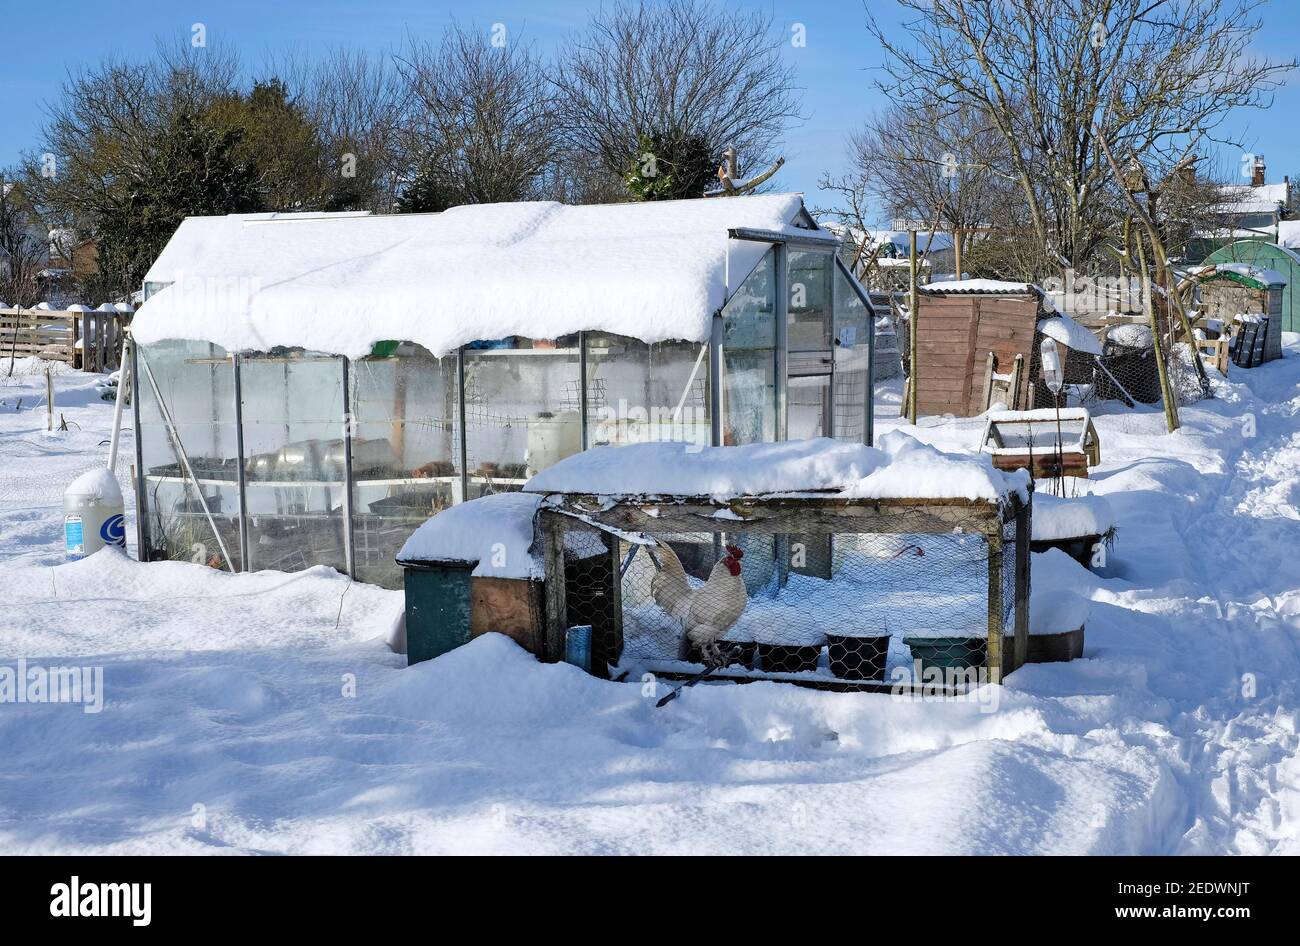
(895, 241)
(1245, 199)
(1288, 234)
(341, 282)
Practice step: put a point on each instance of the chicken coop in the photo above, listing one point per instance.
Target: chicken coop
(823, 588)
(315, 386)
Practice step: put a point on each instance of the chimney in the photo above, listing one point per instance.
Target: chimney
(1258, 179)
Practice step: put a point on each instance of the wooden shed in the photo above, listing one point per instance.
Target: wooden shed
(959, 325)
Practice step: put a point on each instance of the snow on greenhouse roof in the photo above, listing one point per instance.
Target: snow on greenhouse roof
(1242, 272)
(900, 468)
(992, 287)
(340, 283)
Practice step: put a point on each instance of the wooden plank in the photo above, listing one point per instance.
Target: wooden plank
(509, 606)
(808, 515)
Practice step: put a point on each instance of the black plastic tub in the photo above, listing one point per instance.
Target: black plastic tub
(783, 658)
(857, 658)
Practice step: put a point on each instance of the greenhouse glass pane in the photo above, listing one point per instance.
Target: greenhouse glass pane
(523, 410)
(196, 383)
(405, 453)
(808, 407)
(639, 393)
(853, 328)
(749, 359)
(810, 317)
(293, 448)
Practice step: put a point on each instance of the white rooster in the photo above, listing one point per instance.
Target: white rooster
(706, 612)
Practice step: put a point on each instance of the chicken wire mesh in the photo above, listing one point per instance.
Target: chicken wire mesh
(809, 596)
(1126, 371)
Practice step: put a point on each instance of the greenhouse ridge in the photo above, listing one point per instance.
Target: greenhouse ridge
(339, 283)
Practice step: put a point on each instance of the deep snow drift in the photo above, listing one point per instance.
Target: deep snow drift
(265, 713)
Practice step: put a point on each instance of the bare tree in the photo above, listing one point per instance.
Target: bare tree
(1157, 77)
(485, 126)
(24, 251)
(103, 134)
(679, 75)
(356, 103)
(946, 167)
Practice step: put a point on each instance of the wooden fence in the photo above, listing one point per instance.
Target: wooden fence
(86, 340)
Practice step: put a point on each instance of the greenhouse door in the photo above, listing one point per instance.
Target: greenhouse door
(810, 357)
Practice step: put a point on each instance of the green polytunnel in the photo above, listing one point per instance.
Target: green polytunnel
(1268, 256)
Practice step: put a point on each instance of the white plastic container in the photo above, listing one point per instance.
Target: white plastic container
(93, 514)
(551, 438)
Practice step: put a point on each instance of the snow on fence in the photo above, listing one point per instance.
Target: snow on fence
(83, 338)
(819, 590)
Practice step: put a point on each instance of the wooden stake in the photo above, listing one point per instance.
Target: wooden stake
(1171, 407)
(49, 399)
(912, 327)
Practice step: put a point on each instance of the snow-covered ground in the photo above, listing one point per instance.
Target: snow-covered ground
(265, 713)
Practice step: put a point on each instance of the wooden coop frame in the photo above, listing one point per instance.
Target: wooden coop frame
(627, 521)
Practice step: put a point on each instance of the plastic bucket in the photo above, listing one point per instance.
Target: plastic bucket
(782, 658)
(857, 658)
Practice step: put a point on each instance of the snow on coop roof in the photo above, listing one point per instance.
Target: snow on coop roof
(915, 470)
(900, 468)
(1058, 518)
(991, 287)
(1066, 331)
(493, 531)
(339, 283)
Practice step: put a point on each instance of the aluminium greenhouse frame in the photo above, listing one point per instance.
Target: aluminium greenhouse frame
(717, 396)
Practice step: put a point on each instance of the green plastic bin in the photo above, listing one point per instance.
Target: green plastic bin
(437, 608)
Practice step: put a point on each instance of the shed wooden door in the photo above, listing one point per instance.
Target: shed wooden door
(944, 342)
(1006, 328)
(956, 334)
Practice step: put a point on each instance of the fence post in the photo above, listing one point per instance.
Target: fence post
(556, 600)
(995, 659)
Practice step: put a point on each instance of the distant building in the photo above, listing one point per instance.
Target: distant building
(1254, 211)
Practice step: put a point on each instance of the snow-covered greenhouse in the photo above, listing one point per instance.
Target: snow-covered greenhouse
(312, 387)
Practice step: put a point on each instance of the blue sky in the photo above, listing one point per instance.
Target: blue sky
(833, 68)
